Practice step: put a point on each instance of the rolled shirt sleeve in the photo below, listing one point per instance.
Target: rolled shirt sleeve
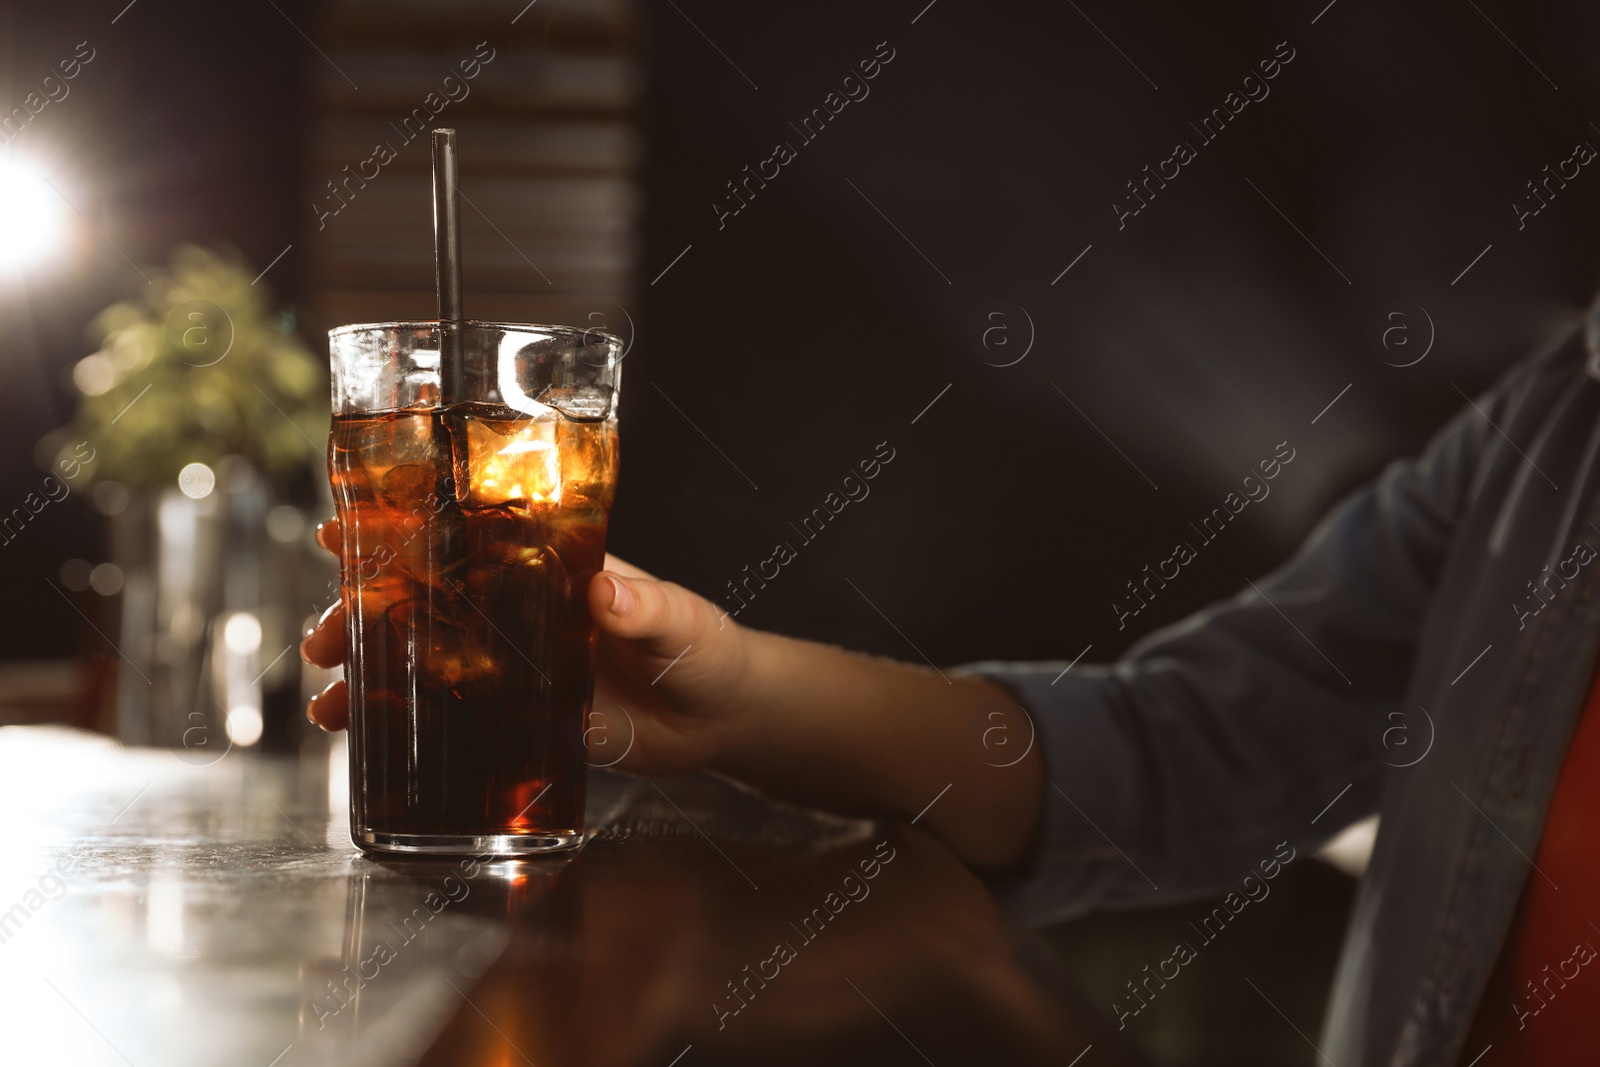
(1174, 771)
(1079, 858)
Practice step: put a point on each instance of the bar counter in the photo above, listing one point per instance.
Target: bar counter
(162, 908)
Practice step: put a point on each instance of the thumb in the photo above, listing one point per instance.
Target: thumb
(661, 616)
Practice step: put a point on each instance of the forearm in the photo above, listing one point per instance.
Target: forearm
(840, 730)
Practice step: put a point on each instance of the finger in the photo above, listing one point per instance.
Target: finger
(329, 535)
(626, 569)
(330, 709)
(325, 645)
(664, 615)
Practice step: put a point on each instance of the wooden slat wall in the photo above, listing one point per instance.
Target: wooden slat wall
(549, 155)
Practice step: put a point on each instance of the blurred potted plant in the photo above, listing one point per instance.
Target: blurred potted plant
(206, 413)
(199, 368)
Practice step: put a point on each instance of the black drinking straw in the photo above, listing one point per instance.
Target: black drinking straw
(447, 267)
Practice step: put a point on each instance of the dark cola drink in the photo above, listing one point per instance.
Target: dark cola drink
(470, 535)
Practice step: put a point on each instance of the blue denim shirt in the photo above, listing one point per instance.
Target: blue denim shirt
(1446, 599)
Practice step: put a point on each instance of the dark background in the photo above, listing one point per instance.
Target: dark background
(808, 330)
(825, 317)
(1197, 338)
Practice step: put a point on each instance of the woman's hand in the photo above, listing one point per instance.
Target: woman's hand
(670, 673)
(680, 687)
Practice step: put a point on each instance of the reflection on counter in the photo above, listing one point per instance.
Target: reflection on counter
(153, 911)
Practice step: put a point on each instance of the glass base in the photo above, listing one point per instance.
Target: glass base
(469, 844)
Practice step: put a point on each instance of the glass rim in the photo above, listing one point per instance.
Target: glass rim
(521, 327)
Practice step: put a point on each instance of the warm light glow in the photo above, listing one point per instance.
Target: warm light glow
(164, 917)
(527, 467)
(244, 725)
(32, 215)
(242, 633)
(94, 374)
(196, 480)
(518, 447)
(106, 579)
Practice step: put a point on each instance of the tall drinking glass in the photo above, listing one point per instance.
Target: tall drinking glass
(470, 534)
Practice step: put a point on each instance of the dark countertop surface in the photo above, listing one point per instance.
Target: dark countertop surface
(159, 908)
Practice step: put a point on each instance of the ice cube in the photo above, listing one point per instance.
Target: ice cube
(381, 599)
(588, 463)
(514, 461)
(407, 484)
(453, 656)
(380, 441)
